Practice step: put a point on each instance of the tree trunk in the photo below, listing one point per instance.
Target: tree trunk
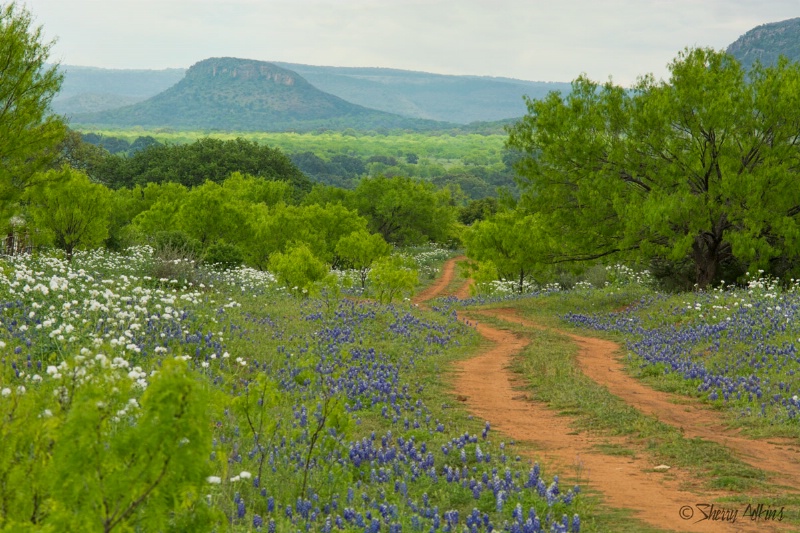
(706, 257)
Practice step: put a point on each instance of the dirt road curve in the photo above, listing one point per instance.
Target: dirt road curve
(624, 482)
(598, 360)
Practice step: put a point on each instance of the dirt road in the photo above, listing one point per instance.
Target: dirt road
(658, 498)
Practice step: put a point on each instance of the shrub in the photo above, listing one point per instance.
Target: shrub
(175, 257)
(223, 255)
(298, 269)
(393, 276)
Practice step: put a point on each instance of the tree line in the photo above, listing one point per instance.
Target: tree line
(475, 175)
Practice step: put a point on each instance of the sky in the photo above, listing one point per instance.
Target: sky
(538, 40)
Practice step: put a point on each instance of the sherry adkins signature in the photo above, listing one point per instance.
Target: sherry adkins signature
(709, 511)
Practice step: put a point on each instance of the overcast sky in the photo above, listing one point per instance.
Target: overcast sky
(541, 40)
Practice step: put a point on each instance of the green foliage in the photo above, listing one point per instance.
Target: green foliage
(96, 454)
(339, 158)
(319, 227)
(483, 274)
(71, 210)
(81, 155)
(328, 194)
(477, 210)
(147, 472)
(29, 137)
(393, 276)
(513, 242)
(161, 202)
(360, 249)
(252, 189)
(298, 269)
(209, 214)
(403, 210)
(176, 243)
(205, 159)
(223, 255)
(699, 167)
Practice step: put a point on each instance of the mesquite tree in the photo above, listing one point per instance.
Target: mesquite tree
(699, 168)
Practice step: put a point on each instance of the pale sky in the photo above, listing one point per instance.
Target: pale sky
(539, 40)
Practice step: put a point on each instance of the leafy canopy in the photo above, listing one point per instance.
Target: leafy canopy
(404, 210)
(700, 168)
(71, 210)
(29, 136)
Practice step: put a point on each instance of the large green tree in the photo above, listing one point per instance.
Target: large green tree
(71, 210)
(404, 210)
(699, 168)
(29, 134)
(360, 250)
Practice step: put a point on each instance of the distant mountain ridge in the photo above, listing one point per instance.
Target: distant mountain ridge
(88, 89)
(767, 42)
(412, 94)
(247, 95)
(460, 99)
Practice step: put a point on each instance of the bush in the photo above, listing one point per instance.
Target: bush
(175, 257)
(177, 243)
(393, 276)
(223, 255)
(298, 269)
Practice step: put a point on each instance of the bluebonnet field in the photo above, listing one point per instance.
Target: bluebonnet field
(130, 401)
(737, 347)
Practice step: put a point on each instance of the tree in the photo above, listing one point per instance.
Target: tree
(29, 137)
(477, 210)
(512, 241)
(209, 213)
(163, 203)
(319, 227)
(360, 249)
(701, 167)
(404, 210)
(71, 209)
(393, 276)
(81, 155)
(204, 160)
(298, 269)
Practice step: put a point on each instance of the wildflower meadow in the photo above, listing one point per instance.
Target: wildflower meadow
(220, 402)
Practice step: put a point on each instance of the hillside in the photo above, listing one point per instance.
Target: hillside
(140, 83)
(460, 99)
(248, 95)
(89, 89)
(767, 42)
(92, 102)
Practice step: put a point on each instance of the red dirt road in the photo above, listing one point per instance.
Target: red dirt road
(623, 482)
